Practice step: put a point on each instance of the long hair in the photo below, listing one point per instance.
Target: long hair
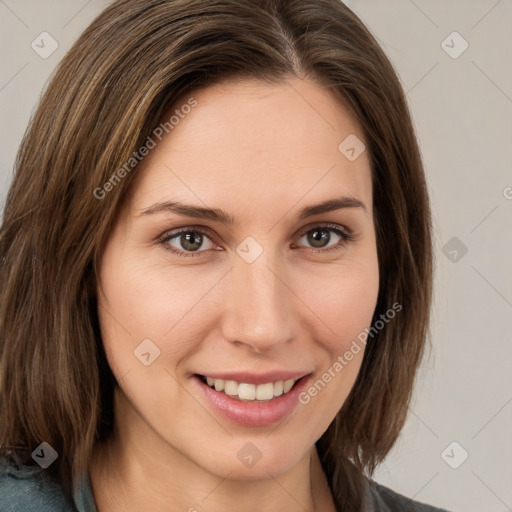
(105, 98)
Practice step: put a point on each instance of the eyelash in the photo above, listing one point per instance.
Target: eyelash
(345, 236)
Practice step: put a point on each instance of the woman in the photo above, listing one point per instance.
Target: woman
(216, 266)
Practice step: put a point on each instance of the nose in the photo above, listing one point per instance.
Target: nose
(259, 306)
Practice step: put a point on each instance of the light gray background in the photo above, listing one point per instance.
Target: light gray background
(462, 108)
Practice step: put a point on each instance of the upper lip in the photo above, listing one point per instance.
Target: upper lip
(257, 378)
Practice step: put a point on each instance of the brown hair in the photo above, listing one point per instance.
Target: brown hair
(104, 100)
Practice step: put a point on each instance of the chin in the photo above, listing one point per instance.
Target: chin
(255, 459)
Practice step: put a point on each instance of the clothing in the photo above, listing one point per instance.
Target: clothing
(29, 490)
(381, 499)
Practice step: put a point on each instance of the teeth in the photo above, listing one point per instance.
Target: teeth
(265, 391)
(251, 392)
(287, 385)
(230, 388)
(246, 391)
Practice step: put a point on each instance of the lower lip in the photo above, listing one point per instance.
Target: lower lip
(253, 414)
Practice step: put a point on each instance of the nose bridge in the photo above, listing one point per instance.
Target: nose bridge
(259, 306)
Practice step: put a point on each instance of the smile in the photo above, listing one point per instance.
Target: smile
(250, 392)
(264, 402)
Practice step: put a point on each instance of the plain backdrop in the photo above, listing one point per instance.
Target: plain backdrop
(453, 58)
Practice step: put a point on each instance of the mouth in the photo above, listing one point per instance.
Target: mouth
(251, 404)
(247, 392)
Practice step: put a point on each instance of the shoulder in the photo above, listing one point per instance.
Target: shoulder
(382, 499)
(28, 489)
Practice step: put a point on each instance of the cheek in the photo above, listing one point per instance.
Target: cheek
(142, 341)
(149, 298)
(344, 297)
(349, 307)
(345, 303)
(150, 301)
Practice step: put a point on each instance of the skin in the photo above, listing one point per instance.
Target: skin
(261, 153)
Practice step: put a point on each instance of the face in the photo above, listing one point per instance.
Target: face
(218, 266)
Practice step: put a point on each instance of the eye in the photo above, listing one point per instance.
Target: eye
(187, 241)
(320, 237)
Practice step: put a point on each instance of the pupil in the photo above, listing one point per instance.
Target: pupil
(317, 237)
(188, 240)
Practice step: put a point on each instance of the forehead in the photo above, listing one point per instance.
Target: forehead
(249, 142)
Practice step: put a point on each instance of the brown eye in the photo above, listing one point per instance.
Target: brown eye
(320, 237)
(186, 242)
(191, 241)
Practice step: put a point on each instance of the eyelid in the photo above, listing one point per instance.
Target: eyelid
(335, 227)
(198, 228)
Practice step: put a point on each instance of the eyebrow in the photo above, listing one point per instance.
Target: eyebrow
(215, 214)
